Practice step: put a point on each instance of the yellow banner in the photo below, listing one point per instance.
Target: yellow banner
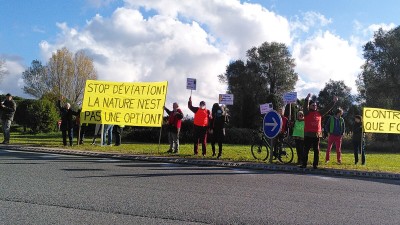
(381, 120)
(124, 103)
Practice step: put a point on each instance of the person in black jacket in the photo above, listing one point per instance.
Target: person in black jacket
(217, 130)
(358, 140)
(8, 108)
(67, 122)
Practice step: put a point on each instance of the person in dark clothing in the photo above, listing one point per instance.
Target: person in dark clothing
(118, 132)
(358, 140)
(313, 128)
(8, 108)
(67, 122)
(217, 130)
(201, 117)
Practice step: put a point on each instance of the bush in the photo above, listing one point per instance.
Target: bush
(37, 115)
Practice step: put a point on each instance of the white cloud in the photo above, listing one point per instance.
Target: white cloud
(323, 57)
(310, 20)
(183, 39)
(12, 81)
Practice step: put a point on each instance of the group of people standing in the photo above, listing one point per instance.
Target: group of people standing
(308, 131)
(68, 124)
(206, 125)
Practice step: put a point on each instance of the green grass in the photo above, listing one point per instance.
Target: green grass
(379, 162)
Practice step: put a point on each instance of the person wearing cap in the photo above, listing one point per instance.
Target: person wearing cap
(8, 108)
(358, 140)
(313, 128)
(67, 122)
(201, 119)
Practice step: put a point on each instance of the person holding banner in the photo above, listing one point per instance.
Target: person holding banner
(174, 126)
(357, 140)
(313, 128)
(201, 118)
(217, 130)
(335, 127)
(67, 122)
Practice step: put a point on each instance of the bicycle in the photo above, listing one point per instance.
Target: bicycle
(282, 150)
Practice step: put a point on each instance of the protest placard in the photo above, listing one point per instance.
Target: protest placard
(290, 97)
(377, 120)
(226, 99)
(191, 84)
(264, 108)
(124, 103)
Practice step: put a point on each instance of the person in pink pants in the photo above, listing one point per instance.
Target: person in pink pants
(335, 127)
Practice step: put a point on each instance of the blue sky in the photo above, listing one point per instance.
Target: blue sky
(149, 40)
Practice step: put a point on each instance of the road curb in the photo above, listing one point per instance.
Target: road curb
(209, 162)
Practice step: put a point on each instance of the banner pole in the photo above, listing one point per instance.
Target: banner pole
(159, 140)
(101, 135)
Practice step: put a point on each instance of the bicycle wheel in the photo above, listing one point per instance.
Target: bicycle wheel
(260, 151)
(285, 152)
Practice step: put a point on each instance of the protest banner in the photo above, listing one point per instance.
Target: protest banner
(377, 120)
(226, 99)
(191, 84)
(124, 103)
(264, 108)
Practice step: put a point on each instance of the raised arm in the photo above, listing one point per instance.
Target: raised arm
(330, 107)
(306, 110)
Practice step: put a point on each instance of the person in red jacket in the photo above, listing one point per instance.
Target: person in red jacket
(201, 117)
(313, 128)
(174, 126)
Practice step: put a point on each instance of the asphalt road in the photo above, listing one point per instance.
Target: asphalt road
(60, 189)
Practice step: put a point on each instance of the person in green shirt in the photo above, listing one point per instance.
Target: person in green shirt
(298, 136)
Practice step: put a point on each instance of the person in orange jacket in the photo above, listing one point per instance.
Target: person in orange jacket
(201, 117)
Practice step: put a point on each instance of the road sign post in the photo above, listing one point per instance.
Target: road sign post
(272, 125)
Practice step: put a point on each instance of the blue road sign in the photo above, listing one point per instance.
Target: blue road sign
(272, 124)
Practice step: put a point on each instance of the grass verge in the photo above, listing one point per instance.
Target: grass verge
(378, 162)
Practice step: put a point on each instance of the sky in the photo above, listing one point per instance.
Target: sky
(157, 40)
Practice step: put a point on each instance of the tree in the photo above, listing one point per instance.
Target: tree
(379, 81)
(35, 78)
(65, 74)
(266, 75)
(345, 102)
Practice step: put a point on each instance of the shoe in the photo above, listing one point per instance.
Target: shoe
(213, 154)
(204, 155)
(327, 161)
(195, 153)
(5, 142)
(315, 167)
(176, 152)
(219, 157)
(303, 167)
(169, 151)
(339, 162)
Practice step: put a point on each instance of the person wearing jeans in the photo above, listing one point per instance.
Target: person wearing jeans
(174, 126)
(108, 129)
(335, 127)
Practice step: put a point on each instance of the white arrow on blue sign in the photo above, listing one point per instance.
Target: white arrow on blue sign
(272, 124)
